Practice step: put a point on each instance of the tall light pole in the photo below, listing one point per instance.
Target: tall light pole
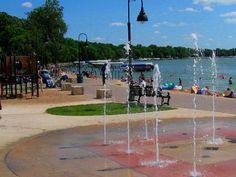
(142, 17)
(79, 75)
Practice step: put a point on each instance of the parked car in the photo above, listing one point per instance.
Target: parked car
(47, 79)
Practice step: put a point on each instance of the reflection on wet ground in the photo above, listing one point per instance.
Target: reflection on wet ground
(79, 152)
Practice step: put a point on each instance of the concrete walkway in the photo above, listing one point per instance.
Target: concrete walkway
(23, 120)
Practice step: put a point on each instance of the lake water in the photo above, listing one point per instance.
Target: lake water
(172, 70)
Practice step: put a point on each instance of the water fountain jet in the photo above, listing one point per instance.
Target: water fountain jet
(143, 86)
(107, 75)
(195, 173)
(156, 85)
(214, 140)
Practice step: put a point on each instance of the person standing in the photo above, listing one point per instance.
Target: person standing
(40, 81)
(230, 81)
(180, 81)
(103, 70)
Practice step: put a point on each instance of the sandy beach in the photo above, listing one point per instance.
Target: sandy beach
(26, 117)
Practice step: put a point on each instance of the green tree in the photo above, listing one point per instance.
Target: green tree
(48, 28)
(14, 37)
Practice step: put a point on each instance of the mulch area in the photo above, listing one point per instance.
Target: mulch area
(48, 96)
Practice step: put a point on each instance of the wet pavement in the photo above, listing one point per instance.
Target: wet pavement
(80, 152)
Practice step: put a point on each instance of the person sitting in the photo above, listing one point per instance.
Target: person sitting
(143, 84)
(141, 77)
(205, 91)
(89, 74)
(228, 93)
(123, 79)
(64, 76)
(86, 74)
(93, 75)
(195, 89)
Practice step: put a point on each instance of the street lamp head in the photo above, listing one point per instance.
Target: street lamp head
(142, 17)
(86, 43)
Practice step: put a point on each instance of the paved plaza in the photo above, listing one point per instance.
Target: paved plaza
(34, 143)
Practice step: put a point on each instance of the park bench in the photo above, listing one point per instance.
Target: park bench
(136, 90)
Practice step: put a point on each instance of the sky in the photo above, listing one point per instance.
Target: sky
(170, 22)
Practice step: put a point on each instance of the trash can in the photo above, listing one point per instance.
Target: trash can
(79, 78)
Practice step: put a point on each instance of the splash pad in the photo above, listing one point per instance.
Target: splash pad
(81, 152)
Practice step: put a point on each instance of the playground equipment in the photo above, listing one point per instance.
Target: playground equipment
(18, 74)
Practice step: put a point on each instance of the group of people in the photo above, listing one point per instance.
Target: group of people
(195, 89)
(202, 91)
(45, 77)
(229, 93)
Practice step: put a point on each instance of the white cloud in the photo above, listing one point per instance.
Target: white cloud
(230, 17)
(118, 24)
(188, 9)
(208, 8)
(99, 39)
(229, 14)
(214, 2)
(157, 32)
(169, 24)
(27, 4)
(208, 4)
(180, 24)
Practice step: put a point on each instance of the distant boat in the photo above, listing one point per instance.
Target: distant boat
(77, 62)
(143, 59)
(123, 59)
(140, 66)
(99, 63)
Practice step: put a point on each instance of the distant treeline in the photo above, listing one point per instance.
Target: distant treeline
(42, 32)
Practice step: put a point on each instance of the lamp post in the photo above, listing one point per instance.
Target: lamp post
(79, 75)
(142, 17)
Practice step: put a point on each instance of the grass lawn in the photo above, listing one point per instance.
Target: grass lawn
(98, 109)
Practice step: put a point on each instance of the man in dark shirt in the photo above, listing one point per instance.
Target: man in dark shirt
(103, 69)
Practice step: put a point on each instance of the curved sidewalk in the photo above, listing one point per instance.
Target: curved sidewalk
(23, 119)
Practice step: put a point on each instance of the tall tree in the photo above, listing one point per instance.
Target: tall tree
(48, 29)
(14, 38)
